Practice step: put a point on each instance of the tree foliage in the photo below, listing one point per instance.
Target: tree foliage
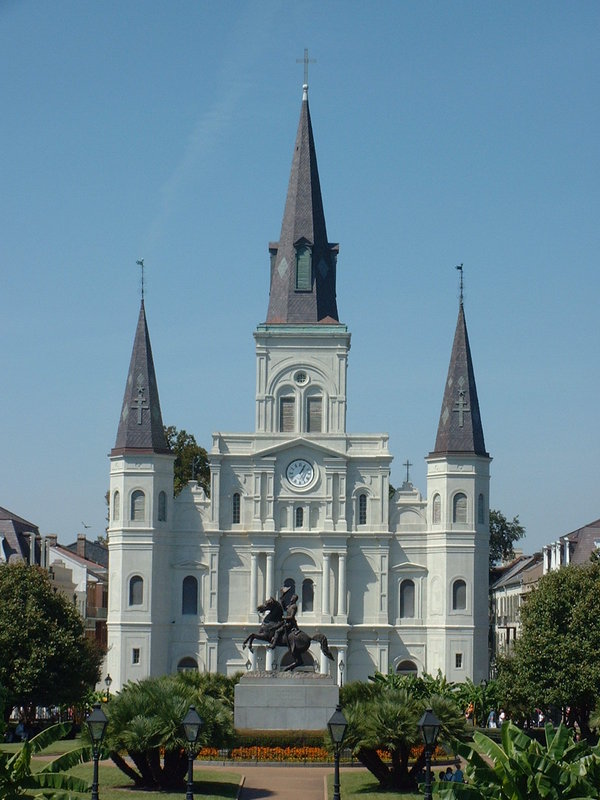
(17, 781)
(524, 769)
(555, 660)
(45, 657)
(191, 460)
(503, 535)
(145, 723)
(385, 717)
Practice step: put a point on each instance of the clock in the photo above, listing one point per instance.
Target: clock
(300, 473)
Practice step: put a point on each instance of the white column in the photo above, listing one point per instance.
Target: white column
(325, 593)
(253, 661)
(341, 602)
(269, 659)
(269, 576)
(324, 665)
(253, 586)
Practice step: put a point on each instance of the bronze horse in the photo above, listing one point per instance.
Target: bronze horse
(279, 628)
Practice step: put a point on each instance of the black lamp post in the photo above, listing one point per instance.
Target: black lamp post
(429, 727)
(108, 681)
(341, 666)
(96, 722)
(337, 730)
(191, 727)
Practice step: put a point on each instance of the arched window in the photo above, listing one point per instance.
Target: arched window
(287, 414)
(299, 517)
(136, 590)
(314, 414)
(189, 595)
(437, 509)
(116, 505)
(162, 507)
(187, 665)
(292, 584)
(459, 595)
(407, 668)
(481, 509)
(303, 269)
(308, 595)
(235, 508)
(407, 599)
(138, 505)
(459, 508)
(362, 509)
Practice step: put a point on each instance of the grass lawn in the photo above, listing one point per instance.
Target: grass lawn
(63, 746)
(363, 786)
(114, 785)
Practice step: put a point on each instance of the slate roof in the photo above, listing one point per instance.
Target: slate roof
(95, 552)
(141, 426)
(515, 572)
(303, 223)
(460, 429)
(583, 542)
(13, 530)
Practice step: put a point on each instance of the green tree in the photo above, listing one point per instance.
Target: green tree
(191, 460)
(17, 781)
(145, 724)
(45, 657)
(386, 718)
(524, 769)
(503, 535)
(555, 660)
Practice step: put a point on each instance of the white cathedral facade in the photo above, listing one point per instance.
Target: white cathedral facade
(396, 583)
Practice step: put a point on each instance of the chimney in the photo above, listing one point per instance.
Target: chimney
(81, 541)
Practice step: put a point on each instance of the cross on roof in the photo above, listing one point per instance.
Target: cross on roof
(407, 464)
(140, 263)
(306, 61)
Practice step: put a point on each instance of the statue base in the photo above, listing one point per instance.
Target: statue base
(284, 701)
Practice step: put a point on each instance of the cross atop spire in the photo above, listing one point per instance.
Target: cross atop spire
(460, 269)
(306, 61)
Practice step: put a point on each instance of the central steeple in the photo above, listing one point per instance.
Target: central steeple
(303, 261)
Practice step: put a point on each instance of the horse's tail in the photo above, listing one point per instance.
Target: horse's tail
(322, 640)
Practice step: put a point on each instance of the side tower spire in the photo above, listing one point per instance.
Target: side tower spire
(303, 262)
(140, 425)
(460, 429)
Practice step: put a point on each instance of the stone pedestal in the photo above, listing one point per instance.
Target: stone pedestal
(284, 701)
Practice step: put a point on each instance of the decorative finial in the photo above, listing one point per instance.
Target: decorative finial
(460, 269)
(306, 61)
(140, 263)
(408, 465)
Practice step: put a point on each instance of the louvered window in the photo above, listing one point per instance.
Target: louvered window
(138, 505)
(303, 269)
(362, 509)
(287, 409)
(459, 595)
(235, 508)
(189, 595)
(314, 414)
(299, 517)
(136, 590)
(460, 508)
(437, 509)
(407, 599)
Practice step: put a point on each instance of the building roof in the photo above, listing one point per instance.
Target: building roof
(584, 541)
(15, 532)
(303, 224)
(140, 425)
(516, 572)
(460, 429)
(94, 552)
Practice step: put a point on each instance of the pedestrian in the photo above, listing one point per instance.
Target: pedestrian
(502, 717)
(458, 776)
(448, 774)
(491, 720)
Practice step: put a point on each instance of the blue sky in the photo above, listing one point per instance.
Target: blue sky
(445, 133)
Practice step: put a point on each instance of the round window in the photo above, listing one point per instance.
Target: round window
(301, 377)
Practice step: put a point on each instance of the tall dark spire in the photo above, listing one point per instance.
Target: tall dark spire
(460, 429)
(303, 262)
(141, 426)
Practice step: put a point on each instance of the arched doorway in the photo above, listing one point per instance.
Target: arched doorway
(407, 667)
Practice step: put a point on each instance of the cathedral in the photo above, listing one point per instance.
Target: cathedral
(394, 581)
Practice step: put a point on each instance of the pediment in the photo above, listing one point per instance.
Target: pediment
(409, 567)
(191, 564)
(300, 441)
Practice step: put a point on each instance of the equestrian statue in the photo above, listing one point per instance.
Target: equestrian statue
(280, 629)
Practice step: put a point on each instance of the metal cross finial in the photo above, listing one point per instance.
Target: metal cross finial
(460, 269)
(306, 61)
(407, 464)
(140, 263)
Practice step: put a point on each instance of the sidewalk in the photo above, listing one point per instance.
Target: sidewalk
(280, 783)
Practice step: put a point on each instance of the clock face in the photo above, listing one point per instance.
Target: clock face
(300, 472)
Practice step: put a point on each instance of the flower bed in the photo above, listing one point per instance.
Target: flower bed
(307, 754)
